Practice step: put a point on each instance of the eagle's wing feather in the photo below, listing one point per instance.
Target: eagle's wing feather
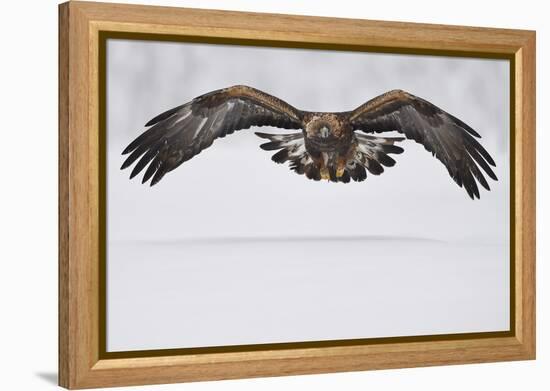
(178, 134)
(445, 136)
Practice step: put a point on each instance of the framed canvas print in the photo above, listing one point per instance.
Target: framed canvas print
(249, 195)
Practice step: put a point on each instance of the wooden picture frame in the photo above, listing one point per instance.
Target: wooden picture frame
(83, 26)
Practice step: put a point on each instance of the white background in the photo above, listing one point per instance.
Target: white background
(232, 239)
(29, 215)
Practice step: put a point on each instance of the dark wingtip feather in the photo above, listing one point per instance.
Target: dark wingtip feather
(134, 173)
(492, 175)
(153, 166)
(472, 143)
(491, 161)
(145, 159)
(469, 129)
(474, 153)
(470, 185)
(134, 156)
(126, 163)
(476, 189)
(158, 175)
(464, 126)
(483, 182)
(469, 191)
(163, 116)
(486, 155)
(474, 133)
(127, 150)
(479, 176)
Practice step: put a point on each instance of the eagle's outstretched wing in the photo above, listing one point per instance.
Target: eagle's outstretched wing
(445, 136)
(179, 134)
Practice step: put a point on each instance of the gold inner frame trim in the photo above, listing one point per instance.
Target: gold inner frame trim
(104, 35)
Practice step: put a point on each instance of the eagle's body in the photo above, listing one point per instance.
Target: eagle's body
(330, 142)
(328, 148)
(328, 145)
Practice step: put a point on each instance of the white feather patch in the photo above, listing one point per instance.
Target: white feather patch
(181, 118)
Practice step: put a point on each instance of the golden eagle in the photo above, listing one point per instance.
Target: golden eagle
(328, 145)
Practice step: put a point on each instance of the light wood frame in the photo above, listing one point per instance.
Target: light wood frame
(81, 362)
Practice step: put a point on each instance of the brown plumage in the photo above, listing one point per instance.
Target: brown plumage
(328, 146)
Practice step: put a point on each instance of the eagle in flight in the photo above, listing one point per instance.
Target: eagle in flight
(336, 146)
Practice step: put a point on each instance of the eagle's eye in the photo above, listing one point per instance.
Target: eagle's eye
(324, 132)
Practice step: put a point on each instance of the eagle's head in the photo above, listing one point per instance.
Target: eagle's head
(324, 132)
(320, 129)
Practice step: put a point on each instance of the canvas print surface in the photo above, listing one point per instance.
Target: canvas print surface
(303, 195)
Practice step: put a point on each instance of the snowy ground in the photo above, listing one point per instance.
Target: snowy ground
(263, 290)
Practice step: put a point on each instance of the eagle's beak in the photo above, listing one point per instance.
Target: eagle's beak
(324, 132)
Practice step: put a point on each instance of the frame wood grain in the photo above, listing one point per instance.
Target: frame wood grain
(80, 26)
